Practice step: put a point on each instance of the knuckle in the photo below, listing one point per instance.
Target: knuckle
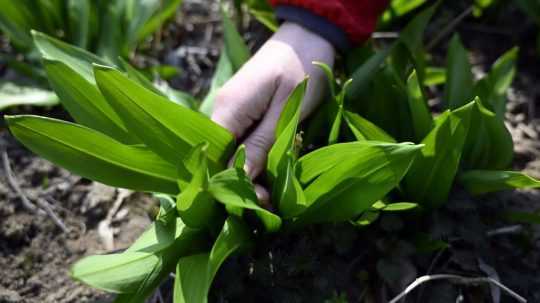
(260, 142)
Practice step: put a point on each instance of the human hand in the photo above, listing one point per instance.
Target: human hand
(249, 104)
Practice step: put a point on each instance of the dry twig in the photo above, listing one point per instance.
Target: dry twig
(43, 207)
(44, 204)
(513, 229)
(449, 28)
(104, 228)
(457, 280)
(26, 203)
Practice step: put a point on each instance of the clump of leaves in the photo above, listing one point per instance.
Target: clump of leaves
(128, 135)
(467, 144)
(110, 29)
(107, 28)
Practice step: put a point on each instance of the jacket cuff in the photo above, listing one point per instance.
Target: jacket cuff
(315, 23)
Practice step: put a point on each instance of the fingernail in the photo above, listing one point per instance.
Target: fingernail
(263, 197)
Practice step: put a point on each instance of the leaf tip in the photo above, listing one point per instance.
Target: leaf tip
(36, 34)
(11, 119)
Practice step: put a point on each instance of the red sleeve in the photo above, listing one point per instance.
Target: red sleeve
(357, 18)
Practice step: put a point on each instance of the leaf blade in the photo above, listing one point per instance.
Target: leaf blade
(94, 155)
(351, 187)
(165, 127)
(485, 181)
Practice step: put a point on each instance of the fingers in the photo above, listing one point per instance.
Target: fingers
(244, 98)
(260, 141)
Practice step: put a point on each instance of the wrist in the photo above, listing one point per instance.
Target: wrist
(304, 40)
(315, 23)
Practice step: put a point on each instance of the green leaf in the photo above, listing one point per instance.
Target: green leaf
(192, 282)
(362, 76)
(12, 94)
(459, 78)
(400, 64)
(481, 5)
(365, 130)
(367, 218)
(160, 88)
(78, 19)
(167, 10)
(16, 20)
(75, 58)
(390, 93)
(434, 76)
(492, 89)
(167, 228)
(235, 46)
(239, 162)
(176, 96)
(289, 196)
(329, 77)
(84, 102)
(195, 204)
(120, 273)
(194, 274)
(412, 36)
(112, 42)
(93, 155)
(399, 8)
(138, 77)
(413, 33)
(485, 181)
(137, 271)
(240, 157)
(420, 114)
(49, 13)
(26, 69)
(136, 14)
(169, 239)
(432, 174)
(286, 131)
(263, 12)
(282, 153)
(399, 206)
(350, 187)
(169, 129)
(336, 125)
(321, 160)
(233, 187)
(167, 208)
(379, 205)
(489, 144)
(268, 19)
(224, 72)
